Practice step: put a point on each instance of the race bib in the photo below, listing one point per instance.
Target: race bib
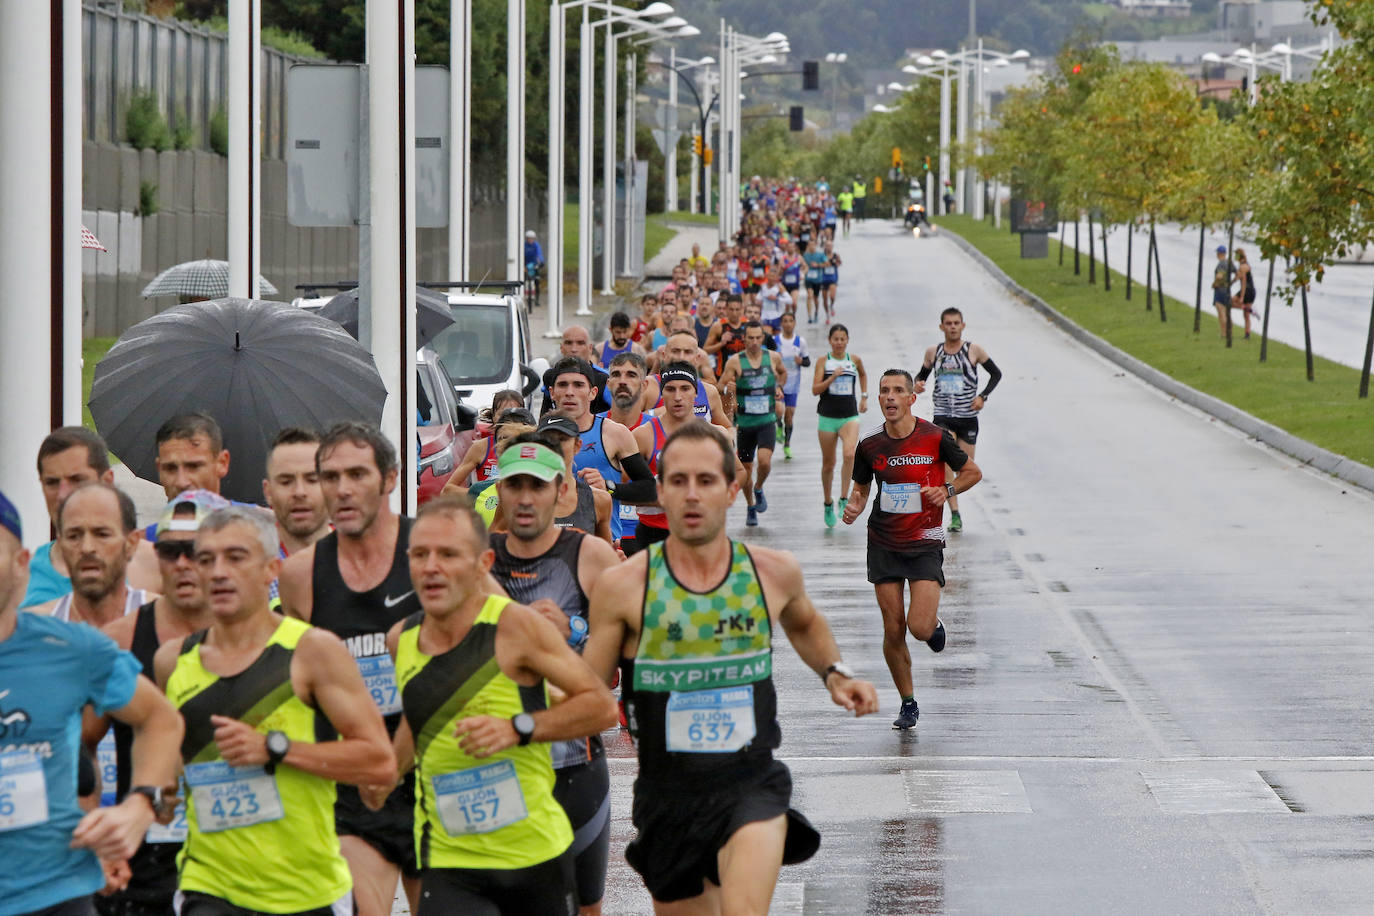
(628, 513)
(843, 385)
(756, 404)
(175, 832)
(900, 498)
(228, 798)
(107, 758)
(711, 721)
(379, 677)
(23, 791)
(479, 800)
(950, 383)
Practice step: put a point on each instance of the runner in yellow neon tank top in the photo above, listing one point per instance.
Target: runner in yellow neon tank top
(691, 623)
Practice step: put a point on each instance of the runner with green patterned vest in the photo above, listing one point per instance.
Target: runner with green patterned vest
(757, 376)
(251, 688)
(690, 622)
(473, 669)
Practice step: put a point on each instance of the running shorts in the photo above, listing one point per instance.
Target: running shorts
(584, 791)
(827, 284)
(390, 831)
(77, 906)
(546, 888)
(965, 429)
(1221, 296)
(749, 439)
(791, 287)
(679, 833)
(1249, 296)
(814, 286)
(789, 398)
(834, 424)
(897, 566)
(194, 903)
(648, 534)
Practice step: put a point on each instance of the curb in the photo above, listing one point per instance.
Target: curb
(1361, 475)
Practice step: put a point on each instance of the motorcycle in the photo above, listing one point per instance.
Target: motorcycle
(916, 219)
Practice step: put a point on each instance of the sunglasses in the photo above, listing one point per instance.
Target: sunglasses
(171, 551)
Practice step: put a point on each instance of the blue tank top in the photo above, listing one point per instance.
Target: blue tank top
(701, 405)
(593, 455)
(45, 582)
(609, 352)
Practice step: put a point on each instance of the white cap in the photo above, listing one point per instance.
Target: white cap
(529, 234)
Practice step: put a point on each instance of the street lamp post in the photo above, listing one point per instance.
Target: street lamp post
(515, 140)
(1278, 58)
(834, 57)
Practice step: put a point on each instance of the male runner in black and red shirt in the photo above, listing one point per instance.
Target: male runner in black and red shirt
(906, 539)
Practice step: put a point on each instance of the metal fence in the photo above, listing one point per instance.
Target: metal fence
(183, 65)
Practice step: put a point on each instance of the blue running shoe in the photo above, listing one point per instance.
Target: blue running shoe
(906, 719)
(753, 520)
(760, 503)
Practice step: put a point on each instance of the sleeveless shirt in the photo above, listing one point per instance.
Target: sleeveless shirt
(956, 382)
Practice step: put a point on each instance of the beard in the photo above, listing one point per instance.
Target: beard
(95, 589)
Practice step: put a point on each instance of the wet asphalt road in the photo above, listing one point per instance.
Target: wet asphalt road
(1156, 694)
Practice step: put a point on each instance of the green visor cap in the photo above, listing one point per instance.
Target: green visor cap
(538, 461)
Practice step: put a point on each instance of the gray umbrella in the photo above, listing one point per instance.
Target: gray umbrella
(254, 366)
(206, 279)
(432, 313)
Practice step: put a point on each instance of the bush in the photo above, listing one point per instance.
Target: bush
(184, 137)
(144, 125)
(147, 199)
(219, 131)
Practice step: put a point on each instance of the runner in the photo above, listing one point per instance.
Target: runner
(51, 670)
(252, 689)
(576, 345)
(97, 535)
(355, 583)
(580, 505)
(486, 498)
(957, 403)
(67, 458)
(553, 570)
(791, 271)
(830, 280)
(816, 261)
(292, 490)
(838, 412)
(479, 462)
(707, 404)
(629, 398)
(845, 199)
(704, 319)
(773, 300)
(791, 346)
(759, 376)
(710, 804)
(190, 456)
(180, 611)
(909, 457)
(473, 669)
(607, 458)
(618, 342)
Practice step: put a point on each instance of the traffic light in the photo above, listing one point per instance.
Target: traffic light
(896, 157)
(696, 144)
(709, 156)
(926, 164)
(811, 75)
(795, 120)
(878, 185)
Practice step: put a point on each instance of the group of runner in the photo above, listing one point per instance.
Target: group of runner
(303, 708)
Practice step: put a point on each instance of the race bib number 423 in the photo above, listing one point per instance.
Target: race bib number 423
(227, 797)
(711, 721)
(23, 791)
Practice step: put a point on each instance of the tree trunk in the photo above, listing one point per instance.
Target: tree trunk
(1130, 244)
(1106, 271)
(1307, 335)
(1201, 246)
(1076, 271)
(1149, 274)
(1159, 278)
(1092, 253)
(1264, 333)
(1368, 353)
(1230, 261)
(1063, 227)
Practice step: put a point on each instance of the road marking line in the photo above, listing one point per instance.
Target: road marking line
(1243, 792)
(966, 792)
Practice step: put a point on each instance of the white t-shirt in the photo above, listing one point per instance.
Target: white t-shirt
(772, 300)
(789, 348)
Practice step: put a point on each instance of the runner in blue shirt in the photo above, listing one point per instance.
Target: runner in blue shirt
(49, 671)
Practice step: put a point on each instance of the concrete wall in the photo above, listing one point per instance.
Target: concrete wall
(190, 223)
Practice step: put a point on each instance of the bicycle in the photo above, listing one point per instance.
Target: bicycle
(532, 284)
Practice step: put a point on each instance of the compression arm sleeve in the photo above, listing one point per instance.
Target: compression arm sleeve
(923, 374)
(641, 487)
(994, 376)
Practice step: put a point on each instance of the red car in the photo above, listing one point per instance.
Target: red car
(443, 428)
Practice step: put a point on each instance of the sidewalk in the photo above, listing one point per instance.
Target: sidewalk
(660, 267)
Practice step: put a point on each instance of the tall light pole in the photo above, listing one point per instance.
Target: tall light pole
(834, 57)
(245, 148)
(515, 140)
(678, 67)
(460, 143)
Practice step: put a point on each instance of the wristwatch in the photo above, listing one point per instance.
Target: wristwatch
(524, 727)
(837, 668)
(949, 490)
(277, 747)
(154, 796)
(578, 635)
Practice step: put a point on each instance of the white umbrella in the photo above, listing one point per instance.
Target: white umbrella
(207, 279)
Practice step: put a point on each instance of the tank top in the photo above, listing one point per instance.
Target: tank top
(551, 575)
(788, 348)
(627, 514)
(956, 382)
(495, 813)
(45, 582)
(593, 455)
(133, 598)
(653, 516)
(699, 691)
(756, 392)
(791, 273)
(839, 401)
(735, 345)
(609, 352)
(362, 619)
(239, 818)
(702, 331)
(583, 516)
(154, 865)
(701, 406)
(487, 469)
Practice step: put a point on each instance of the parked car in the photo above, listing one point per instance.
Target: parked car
(443, 425)
(487, 348)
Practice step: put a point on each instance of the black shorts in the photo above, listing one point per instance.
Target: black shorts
(648, 534)
(679, 834)
(814, 287)
(390, 831)
(1249, 297)
(886, 565)
(77, 906)
(791, 287)
(965, 429)
(830, 282)
(584, 791)
(194, 903)
(546, 889)
(749, 439)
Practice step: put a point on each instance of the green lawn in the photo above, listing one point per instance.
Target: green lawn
(657, 233)
(1326, 411)
(93, 350)
(682, 216)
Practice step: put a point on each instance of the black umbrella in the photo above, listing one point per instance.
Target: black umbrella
(254, 366)
(432, 313)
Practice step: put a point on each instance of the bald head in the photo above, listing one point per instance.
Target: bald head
(577, 341)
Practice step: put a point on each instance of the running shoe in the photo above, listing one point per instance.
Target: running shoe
(906, 719)
(956, 524)
(760, 502)
(753, 520)
(839, 506)
(787, 453)
(830, 515)
(937, 639)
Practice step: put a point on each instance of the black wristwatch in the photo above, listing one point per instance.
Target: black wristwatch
(949, 490)
(524, 727)
(154, 796)
(277, 747)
